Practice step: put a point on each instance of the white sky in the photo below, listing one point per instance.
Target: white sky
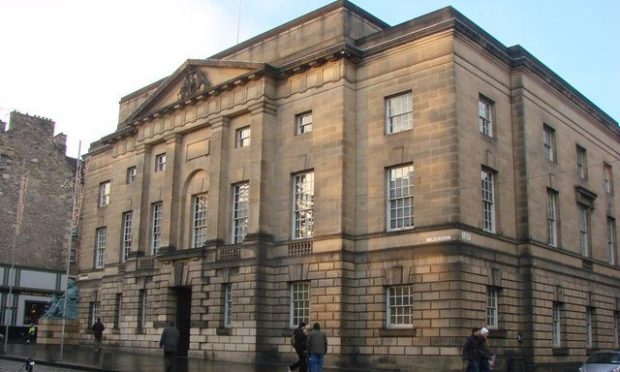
(72, 60)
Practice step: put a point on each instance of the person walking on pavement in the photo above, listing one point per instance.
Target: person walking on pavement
(97, 329)
(470, 351)
(32, 331)
(317, 348)
(300, 345)
(169, 342)
(484, 351)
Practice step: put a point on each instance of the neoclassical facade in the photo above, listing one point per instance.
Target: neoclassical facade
(397, 184)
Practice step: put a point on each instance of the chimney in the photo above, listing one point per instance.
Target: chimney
(61, 141)
(2, 126)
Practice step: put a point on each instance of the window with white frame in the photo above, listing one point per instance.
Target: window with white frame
(608, 178)
(243, 137)
(126, 234)
(131, 175)
(488, 200)
(400, 306)
(584, 229)
(100, 247)
(552, 217)
(398, 113)
(400, 198)
(142, 309)
(199, 220)
(582, 163)
(300, 303)
(241, 197)
(118, 309)
(611, 240)
(549, 142)
(303, 123)
(95, 312)
(156, 219)
(227, 304)
(303, 205)
(104, 193)
(556, 325)
(492, 306)
(485, 116)
(589, 327)
(160, 162)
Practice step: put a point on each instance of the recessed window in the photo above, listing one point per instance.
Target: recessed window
(227, 304)
(492, 307)
(126, 234)
(100, 247)
(94, 313)
(104, 194)
(142, 309)
(156, 219)
(398, 113)
(584, 229)
(199, 220)
(488, 200)
(4, 160)
(303, 123)
(300, 303)
(552, 217)
(400, 198)
(608, 178)
(485, 116)
(160, 162)
(131, 175)
(556, 325)
(400, 306)
(303, 205)
(589, 317)
(241, 197)
(118, 309)
(611, 240)
(549, 143)
(582, 163)
(243, 137)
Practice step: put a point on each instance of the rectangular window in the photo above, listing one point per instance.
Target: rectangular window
(199, 220)
(611, 240)
(492, 307)
(589, 327)
(608, 178)
(549, 142)
(131, 175)
(485, 116)
(303, 123)
(241, 197)
(488, 200)
(104, 194)
(303, 205)
(400, 198)
(95, 312)
(142, 309)
(118, 308)
(556, 325)
(227, 305)
(100, 247)
(160, 162)
(156, 218)
(584, 229)
(4, 161)
(582, 163)
(552, 218)
(243, 137)
(398, 113)
(400, 306)
(300, 303)
(617, 329)
(126, 234)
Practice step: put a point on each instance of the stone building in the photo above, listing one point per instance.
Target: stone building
(30, 150)
(397, 184)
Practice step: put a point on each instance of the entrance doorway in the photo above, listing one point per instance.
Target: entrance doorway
(184, 315)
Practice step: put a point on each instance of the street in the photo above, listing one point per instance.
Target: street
(11, 366)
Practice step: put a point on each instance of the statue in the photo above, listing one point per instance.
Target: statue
(72, 299)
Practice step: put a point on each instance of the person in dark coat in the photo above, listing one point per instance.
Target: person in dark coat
(169, 342)
(301, 348)
(97, 329)
(470, 351)
(484, 351)
(317, 348)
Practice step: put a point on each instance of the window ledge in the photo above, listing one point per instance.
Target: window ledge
(561, 351)
(398, 332)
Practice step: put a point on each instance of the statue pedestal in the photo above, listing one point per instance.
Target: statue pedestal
(50, 331)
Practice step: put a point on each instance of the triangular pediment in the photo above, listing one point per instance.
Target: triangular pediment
(192, 78)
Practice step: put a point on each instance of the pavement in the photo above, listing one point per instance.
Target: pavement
(83, 358)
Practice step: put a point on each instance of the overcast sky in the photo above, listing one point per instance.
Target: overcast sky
(72, 60)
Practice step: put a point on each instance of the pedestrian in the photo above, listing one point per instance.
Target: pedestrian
(470, 351)
(32, 331)
(169, 342)
(300, 344)
(484, 351)
(317, 348)
(97, 329)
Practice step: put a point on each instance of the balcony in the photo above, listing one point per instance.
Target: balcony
(228, 253)
(303, 248)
